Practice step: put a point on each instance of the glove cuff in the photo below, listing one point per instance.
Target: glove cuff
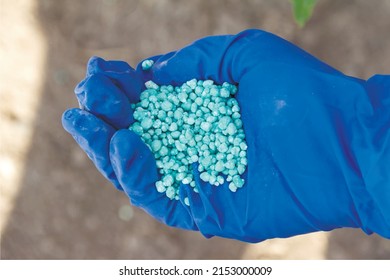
(372, 199)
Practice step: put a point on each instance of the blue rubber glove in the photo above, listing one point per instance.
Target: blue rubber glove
(318, 141)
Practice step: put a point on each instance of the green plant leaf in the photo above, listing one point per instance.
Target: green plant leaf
(302, 10)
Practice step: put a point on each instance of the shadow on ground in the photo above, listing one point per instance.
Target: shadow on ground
(65, 209)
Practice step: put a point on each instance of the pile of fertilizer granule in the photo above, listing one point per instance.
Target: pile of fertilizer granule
(195, 123)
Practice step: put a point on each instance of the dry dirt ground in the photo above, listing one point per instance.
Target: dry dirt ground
(55, 205)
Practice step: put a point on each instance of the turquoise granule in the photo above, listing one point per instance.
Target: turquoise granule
(147, 64)
(198, 122)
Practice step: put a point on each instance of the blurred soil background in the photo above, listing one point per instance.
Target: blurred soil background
(54, 203)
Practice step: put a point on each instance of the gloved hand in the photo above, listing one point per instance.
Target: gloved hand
(318, 141)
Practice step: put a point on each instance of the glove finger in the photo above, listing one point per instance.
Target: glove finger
(100, 96)
(121, 73)
(135, 168)
(227, 58)
(93, 136)
(200, 60)
(99, 65)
